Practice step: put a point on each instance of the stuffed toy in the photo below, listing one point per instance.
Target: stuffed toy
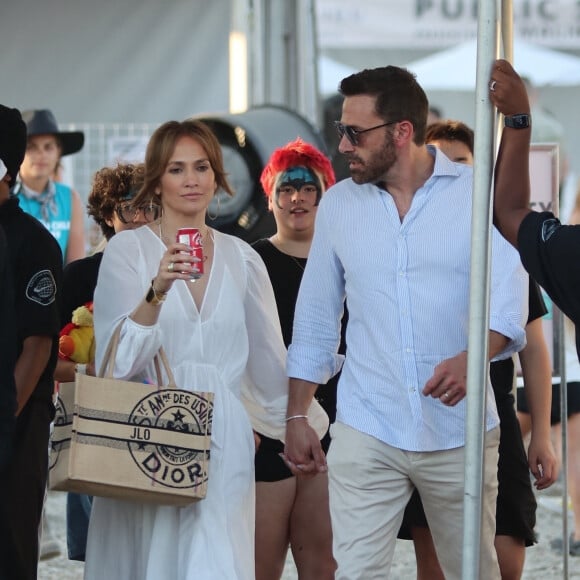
(77, 338)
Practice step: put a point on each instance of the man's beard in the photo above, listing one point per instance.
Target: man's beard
(377, 165)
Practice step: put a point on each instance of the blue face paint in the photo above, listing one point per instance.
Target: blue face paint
(297, 178)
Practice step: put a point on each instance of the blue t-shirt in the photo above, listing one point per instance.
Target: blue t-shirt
(55, 214)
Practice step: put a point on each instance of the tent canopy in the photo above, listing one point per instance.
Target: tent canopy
(330, 73)
(454, 69)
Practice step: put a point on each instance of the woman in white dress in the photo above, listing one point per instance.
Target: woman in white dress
(221, 334)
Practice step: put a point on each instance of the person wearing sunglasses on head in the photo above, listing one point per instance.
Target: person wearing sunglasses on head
(111, 206)
(394, 241)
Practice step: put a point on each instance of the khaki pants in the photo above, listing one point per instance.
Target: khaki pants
(370, 485)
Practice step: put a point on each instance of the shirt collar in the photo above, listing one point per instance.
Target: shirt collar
(443, 165)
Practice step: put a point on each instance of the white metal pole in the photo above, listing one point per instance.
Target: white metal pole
(477, 359)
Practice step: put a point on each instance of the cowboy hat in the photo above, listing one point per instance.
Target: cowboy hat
(43, 122)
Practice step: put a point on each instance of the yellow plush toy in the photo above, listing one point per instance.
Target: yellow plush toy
(77, 338)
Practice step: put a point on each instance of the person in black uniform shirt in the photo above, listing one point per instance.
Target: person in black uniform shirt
(35, 261)
(289, 510)
(8, 350)
(516, 503)
(110, 205)
(550, 251)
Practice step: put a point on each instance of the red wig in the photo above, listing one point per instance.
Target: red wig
(296, 154)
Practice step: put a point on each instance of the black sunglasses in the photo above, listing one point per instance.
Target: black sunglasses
(352, 133)
(127, 212)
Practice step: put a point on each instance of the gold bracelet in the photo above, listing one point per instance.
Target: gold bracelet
(161, 296)
(154, 297)
(296, 417)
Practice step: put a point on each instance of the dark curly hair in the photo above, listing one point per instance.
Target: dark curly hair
(111, 185)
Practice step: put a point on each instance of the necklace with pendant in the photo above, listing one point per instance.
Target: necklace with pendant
(296, 262)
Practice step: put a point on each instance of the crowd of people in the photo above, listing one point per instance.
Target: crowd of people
(336, 349)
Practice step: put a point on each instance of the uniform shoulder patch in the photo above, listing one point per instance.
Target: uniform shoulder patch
(42, 288)
(549, 227)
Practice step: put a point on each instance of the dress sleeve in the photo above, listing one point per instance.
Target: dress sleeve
(120, 287)
(265, 385)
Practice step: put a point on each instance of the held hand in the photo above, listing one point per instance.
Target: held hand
(507, 91)
(303, 453)
(543, 463)
(449, 380)
(176, 264)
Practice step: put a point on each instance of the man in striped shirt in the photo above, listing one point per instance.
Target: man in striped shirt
(394, 241)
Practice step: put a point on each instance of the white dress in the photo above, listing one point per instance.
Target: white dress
(232, 346)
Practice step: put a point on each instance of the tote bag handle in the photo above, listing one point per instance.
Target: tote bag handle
(160, 359)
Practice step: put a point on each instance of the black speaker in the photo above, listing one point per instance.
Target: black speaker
(247, 141)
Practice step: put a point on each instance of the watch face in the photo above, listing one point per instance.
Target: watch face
(518, 121)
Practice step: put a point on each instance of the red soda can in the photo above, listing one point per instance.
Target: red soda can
(192, 237)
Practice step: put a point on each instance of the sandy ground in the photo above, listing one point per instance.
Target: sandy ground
(542, 563)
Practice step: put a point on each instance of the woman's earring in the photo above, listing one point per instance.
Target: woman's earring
(217, 213)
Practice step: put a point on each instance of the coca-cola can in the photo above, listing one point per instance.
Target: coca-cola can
(192, 237)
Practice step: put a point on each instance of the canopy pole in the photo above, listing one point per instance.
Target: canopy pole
(477, 357)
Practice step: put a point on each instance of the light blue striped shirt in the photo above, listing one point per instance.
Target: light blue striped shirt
(407, 290)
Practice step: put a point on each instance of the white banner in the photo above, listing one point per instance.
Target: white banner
(438, 23)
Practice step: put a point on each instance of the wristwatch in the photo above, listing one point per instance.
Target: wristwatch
(154, 297)
(520, 121)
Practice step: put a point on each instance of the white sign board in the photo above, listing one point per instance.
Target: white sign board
(438, 23)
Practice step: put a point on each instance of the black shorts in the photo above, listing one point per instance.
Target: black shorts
(516, 503)
(573, 390)
(268, 463)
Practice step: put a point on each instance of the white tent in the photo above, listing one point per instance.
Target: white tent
(454, 69)
(330, 73)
